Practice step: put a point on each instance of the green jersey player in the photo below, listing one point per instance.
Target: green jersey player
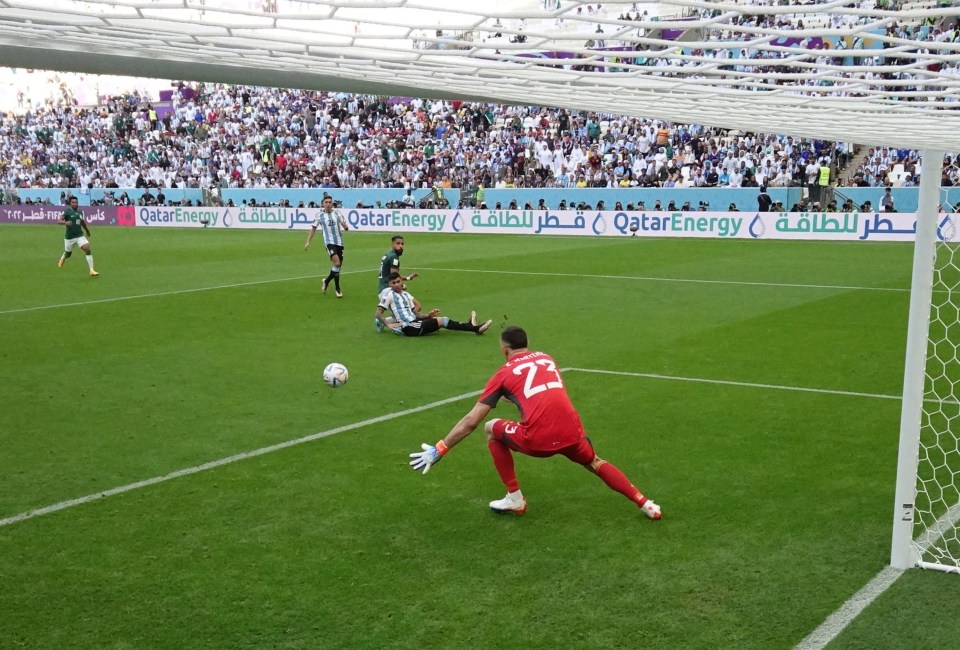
(76, 225)
(390, 263)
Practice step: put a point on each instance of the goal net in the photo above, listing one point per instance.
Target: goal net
(937, 542)
(875, 72)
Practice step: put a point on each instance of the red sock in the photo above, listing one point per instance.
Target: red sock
(503, 461)
(616, 480)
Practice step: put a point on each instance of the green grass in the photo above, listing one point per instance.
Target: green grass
(777, 504)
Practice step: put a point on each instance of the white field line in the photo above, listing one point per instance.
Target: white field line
(196, 469)
(173, 293)
(744, 384)
(687, 280)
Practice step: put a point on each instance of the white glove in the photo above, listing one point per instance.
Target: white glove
(426, 458)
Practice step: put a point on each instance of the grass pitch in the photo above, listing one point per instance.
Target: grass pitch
(194, 346)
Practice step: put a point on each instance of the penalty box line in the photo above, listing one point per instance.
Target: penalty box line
(742, 384)
(196, 469)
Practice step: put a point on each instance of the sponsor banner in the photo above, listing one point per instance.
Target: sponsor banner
(50, 214)
(182, 217)
(883, 226)
(609, 223)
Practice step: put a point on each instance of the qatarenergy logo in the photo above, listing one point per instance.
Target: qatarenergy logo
(432, 221)
(677, 222)
(178, 215)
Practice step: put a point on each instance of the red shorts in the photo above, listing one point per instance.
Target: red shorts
(515, 436)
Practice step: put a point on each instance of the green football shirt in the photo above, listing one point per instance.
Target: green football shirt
(74, 219)
(388, 264)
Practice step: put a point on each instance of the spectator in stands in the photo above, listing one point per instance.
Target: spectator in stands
(886, 201)
(764, 201)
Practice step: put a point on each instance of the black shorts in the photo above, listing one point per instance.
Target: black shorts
(421, 327)
(333, 249)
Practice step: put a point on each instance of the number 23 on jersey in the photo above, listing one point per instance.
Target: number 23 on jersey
(541, 375)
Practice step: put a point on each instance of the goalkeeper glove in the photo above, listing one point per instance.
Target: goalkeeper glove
(428, 457)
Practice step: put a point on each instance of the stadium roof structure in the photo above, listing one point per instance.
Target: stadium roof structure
(836, 69)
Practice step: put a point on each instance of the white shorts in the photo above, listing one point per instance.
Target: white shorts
(70, 244)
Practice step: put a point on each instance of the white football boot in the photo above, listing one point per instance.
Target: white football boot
(651, 509)
(512, 503)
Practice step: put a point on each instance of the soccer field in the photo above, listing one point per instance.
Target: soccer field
(750, 387)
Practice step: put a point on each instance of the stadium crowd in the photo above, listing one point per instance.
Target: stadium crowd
(232, 136)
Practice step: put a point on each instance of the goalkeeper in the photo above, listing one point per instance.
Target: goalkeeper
(549, 425)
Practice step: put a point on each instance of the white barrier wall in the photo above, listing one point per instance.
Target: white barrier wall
(710, 225)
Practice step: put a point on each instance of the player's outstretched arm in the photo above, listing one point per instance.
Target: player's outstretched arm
(431, 454)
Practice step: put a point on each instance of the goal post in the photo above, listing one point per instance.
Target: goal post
(927, 503)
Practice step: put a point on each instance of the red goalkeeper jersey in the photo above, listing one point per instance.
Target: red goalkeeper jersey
(532, 382)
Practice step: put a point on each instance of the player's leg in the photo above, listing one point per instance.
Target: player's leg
(334, 268)
(610, 474)
(68, 245)
(429, 325)
(85, 247)
(450, 324)
(498, 432)
(336, 259)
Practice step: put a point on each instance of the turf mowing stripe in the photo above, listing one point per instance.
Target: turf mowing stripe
(63, 505)
(567, 275)
(690, 280)
(745, 384)
(174, 293)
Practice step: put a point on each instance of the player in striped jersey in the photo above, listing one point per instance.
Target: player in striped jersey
(333, 225)
(409, 321)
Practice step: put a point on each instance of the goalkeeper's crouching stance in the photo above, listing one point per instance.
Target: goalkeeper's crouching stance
(549, 426)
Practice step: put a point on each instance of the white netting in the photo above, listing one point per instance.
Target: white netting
(938, 475)
(874, 71)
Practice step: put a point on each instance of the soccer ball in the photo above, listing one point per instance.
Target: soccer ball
(335, 374)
